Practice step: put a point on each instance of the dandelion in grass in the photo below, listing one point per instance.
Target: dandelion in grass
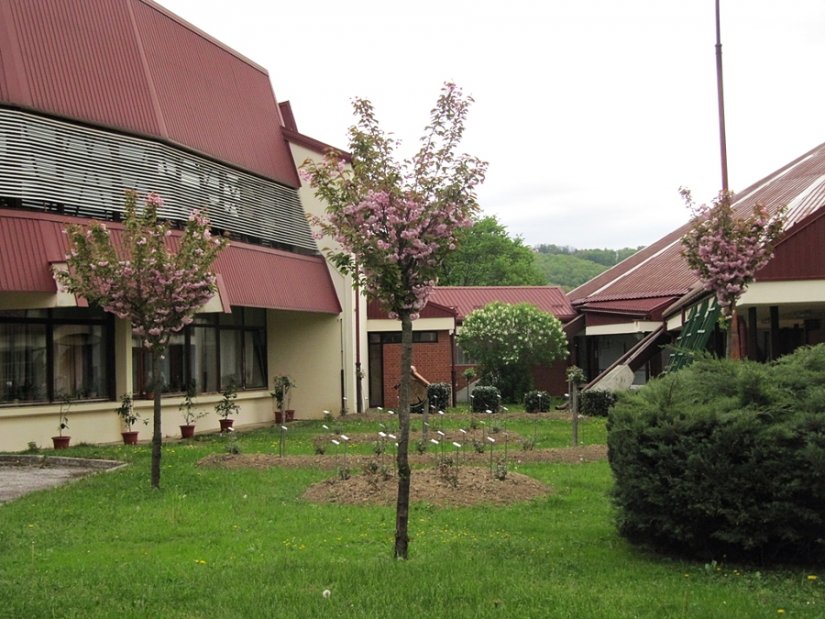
(812, 577)
(326, 593)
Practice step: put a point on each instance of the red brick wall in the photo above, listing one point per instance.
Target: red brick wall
(431, 359)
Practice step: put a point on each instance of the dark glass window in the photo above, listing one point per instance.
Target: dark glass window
(213, 352)
(394, 337)
(46, 355)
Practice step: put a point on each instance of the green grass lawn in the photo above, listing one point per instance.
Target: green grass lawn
(241, 543)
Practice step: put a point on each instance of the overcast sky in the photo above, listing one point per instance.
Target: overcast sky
(592, 113)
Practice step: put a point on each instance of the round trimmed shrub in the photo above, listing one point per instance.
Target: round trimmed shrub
(725, 458)
(438, 395)
(486, 398)
(596, 402)
(536, 401)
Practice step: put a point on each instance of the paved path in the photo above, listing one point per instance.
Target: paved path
(20, 475)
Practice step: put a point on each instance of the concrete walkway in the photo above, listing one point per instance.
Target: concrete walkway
(20, 474)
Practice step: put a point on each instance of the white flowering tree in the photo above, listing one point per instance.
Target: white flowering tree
(395, 221)
(151, 278)
(508, 340)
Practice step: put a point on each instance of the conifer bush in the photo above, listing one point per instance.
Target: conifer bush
(486, 398)
(537, 401)
(597, 402)
(725, 458)
(438, 395)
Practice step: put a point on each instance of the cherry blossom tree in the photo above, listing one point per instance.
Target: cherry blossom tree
(152, 278)
(394, 222)
(725, 250)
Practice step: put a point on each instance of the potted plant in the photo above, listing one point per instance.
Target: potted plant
(282, 386)
(190, 415)
(60, 441)
(227, 406)
(127, 415)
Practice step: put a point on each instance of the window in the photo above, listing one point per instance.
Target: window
(394, 337)
(213, 352)
(46, 355)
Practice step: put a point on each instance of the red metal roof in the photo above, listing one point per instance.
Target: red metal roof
(134, 66)
(252, 276)
(660, 271)
(431, 310)
(261, 277)
(465, 299)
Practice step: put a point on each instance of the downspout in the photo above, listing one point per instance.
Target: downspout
(359, 392)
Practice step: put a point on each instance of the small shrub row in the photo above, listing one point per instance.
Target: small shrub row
(725, 458)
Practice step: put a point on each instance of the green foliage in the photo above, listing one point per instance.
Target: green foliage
(567, 271)
(486, 398)
(604, 257)
(508, 340)
(596, 402)
(537, 401)
(438, 395)
(726, 458)
(227, 406)
(487, 256)
(569, 267)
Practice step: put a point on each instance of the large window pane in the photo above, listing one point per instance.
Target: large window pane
(203, 354)
(230, 358)
(23, 363)
(172, 364)
(254, 359)
(80, 369)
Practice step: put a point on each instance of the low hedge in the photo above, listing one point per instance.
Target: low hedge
(725, 458)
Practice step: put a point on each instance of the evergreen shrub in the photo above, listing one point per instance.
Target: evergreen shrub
(536, 401)
(486, 398)
(596, 403)
(725, 458)
(438, 395)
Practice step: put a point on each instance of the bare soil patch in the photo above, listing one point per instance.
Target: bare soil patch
(372, 480)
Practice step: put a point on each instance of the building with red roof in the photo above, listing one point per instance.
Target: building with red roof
(631, 311)
(436, 356)
(97, 96)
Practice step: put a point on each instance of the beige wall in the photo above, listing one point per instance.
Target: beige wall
(346, 295)
(307, 347)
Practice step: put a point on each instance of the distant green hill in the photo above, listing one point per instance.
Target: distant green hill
(569, 267)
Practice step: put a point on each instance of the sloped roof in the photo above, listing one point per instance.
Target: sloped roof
(133, 66)
(659, 270)
(432, 310)
(465, 299)
(253, 276)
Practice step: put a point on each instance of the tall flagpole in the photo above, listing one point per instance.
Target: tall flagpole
(721, 96)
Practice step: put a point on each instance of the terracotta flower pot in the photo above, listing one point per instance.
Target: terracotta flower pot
(187, 431)
(129, 438)
(226, 424)
(288, 413)
(61, 442)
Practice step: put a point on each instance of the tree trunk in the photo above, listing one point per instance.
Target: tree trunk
(734, 340)
(157, 386)
(402, 509)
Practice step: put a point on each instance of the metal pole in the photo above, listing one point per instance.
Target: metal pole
(720, 92)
